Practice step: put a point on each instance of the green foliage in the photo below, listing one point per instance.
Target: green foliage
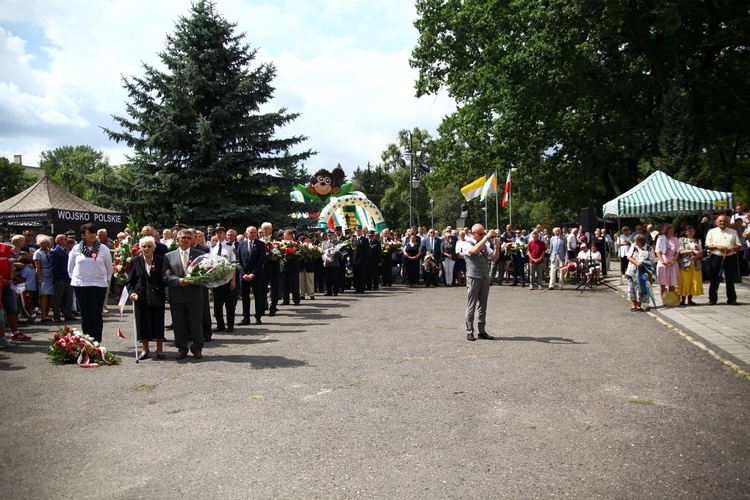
(72, 166)
(13, 179)
(372, 181)
(202, 150)
(578, 95)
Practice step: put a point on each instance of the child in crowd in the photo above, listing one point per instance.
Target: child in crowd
(27, 275)
(3, 341)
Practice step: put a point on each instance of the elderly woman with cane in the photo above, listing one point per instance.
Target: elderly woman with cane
(147, 294)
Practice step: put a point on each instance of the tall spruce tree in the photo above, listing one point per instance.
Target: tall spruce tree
(203, 153)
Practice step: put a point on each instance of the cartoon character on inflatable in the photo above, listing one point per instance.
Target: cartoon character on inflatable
(331, 189)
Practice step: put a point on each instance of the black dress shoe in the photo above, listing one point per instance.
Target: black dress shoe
(219, 329)
(245, 321)
(230, 329)
(732, 303)
(161, 356)
(485, 336)
(143, 355)
(471, 337)
(285, 303)
(272, 312)
(207, 339)
(258, 321)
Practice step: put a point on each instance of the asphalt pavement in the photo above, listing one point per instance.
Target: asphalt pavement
(381, 396)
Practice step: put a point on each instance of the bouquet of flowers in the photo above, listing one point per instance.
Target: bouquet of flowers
(273, 251)
(310, 251)
(124, 254)
(511, 248)
(345, 246)
(210, 271)
(391, 246)
(290, 249)
(71, 346)
(125, 251)
(429, 263)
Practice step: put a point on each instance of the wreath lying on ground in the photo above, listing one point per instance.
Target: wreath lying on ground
(72, 346)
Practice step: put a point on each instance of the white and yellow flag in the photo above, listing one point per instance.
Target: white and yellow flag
(473, 190)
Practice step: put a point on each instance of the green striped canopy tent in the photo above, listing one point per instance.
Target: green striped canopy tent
(660, 195)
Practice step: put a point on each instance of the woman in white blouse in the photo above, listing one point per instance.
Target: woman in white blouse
(90, 268)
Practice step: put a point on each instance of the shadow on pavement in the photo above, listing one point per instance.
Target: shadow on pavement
(546, 340)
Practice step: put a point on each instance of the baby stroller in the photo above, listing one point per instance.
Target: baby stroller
(26, 310)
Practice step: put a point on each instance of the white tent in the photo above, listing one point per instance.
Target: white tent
(660, 195)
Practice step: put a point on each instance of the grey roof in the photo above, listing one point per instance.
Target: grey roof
(46, 194)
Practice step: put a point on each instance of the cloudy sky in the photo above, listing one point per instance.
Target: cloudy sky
(342, 64)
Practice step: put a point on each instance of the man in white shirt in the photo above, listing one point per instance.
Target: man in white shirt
(573, 243)
(224, 296)
(723, 244)
(739, 213)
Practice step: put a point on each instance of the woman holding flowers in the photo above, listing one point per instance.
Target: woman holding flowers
(147, 294)
(90, 267)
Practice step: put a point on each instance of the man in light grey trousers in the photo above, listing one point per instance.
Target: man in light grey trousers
(478, 253)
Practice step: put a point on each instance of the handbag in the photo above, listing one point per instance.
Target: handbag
(154, 295)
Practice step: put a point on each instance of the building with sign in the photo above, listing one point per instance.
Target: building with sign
(49, 208)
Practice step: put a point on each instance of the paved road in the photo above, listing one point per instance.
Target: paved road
(381, 396)
(722, 329)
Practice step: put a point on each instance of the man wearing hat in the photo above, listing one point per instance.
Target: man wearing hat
(374, 261)
(290, 269)
(331, 263)
(360, 251)
(340, 279)
(224, 296)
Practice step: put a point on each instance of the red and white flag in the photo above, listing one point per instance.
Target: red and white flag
(506, 194)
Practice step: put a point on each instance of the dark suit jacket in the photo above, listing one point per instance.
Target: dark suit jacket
(161, 249)
(58, 261)
(137, 277)
(359, 255)
(252, 264)
(173, 271)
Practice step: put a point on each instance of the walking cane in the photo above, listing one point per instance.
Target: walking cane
(135, 336)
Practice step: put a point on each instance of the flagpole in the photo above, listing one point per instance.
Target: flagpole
(485, 213)
(510, 196)
(497, 205)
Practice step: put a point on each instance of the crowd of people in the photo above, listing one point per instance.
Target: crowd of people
(68, 278)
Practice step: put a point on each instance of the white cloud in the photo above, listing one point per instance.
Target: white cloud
(342, 64)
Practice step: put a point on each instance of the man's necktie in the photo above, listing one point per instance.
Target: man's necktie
(184, 259)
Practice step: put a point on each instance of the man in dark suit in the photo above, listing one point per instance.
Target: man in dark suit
(251, 255)
(63, 298)
(161, 248)
(185, 300)
(272, 270)
(359, 258)
(374, 261)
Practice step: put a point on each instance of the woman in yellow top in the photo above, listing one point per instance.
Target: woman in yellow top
(691, 275)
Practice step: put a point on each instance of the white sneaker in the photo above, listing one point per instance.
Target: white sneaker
(4, 342)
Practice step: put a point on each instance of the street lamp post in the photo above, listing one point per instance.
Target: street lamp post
(412, 182)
